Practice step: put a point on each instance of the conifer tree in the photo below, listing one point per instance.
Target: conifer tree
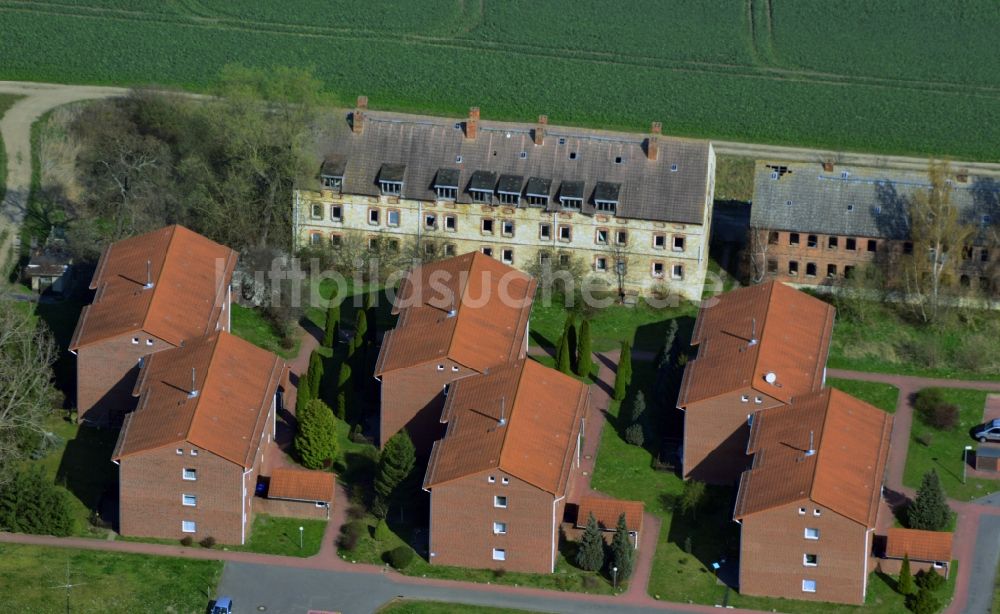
(571, 338)
(929, 511)
(638, 407)
(584, 361)
(622, 552)
(562, 356)
(906, 586)
(395, 464)
(624, 375)
(343, 390)
(371, 328)
(590, 555)
(316, 438)
(315, 374)
(303, 392)
(332, 328)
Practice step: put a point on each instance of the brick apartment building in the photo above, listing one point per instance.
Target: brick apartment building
(635, 209)
(498, 479)
(813, 224)
(457, 317)
(757, 347)
(190, 454)
(807, 507)
(153, 292)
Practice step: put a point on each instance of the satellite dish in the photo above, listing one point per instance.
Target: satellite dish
(770, 377)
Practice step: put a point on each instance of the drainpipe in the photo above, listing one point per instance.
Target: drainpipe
(243, 527)
(555, 537)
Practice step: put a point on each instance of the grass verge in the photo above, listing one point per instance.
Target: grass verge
(883, 396)
(943, 451)
(6, 101)
(251, 325)
(103, 581)
(411, 606)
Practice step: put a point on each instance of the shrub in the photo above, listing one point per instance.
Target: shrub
(208, 542)
(355, 512)
(351, 533)
(187, 540)
(634, 435)
(930, 580)
(30, 503)
(943, 417)
(923, 602)
(590, 582)
(399, 557)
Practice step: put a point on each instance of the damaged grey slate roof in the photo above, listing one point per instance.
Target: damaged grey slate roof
(424, 145)
(857, 201)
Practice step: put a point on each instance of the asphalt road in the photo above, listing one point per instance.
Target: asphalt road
(984, 565)
(266, 588)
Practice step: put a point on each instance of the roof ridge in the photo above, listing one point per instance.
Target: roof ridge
(197, 399)
(156, 286)
(275, 369)
(816, 446)
(458, 301)
(513, 404)
(763, 328)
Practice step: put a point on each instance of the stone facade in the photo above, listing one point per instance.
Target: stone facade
(658, 255)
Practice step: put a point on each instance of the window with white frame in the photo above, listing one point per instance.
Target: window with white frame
(621, 237)
(135, 341)
(809, 586)
(391, 188)
(487, 226)
(507, 256)
(499, 501)
(499, 554)
(430, 221)
(657, 269)
(373, 216)
(190, 474)
(189, 500)
(499, 528)
(317, 211)
(507, 228)
(817, 512)
(450, 223)
(545, 231)
(315, 238)
(810, 560)
(491, 479)
(601, 238)
(600, 264)
(678, 243)
(802, 511)
(332, 183)
(677, 271)
(194, 452)
(811, 533)
(565, 233)
(659, 241)
(446, 193)
(392, 219)
(188, 526)
(487, 251)
(180, 451)
(505, 481)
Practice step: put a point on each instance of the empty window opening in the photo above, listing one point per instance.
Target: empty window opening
(659, 241)
(487, 226)
(507, 256)
(772, 266)
(565, 233)
(373, 216)
(831, 242)
(678, 244)
(831, 270)
(872, 245)
(793, 267)
(810, 269)
(545, 231)
(793, 238)
(772, 238)
(336, 213)
(657, 269)
(488, 251)
(811, 241)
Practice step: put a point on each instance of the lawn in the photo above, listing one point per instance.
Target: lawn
(6, 100)
(959, 345)
(103, 581)
(809, 63)
(249, 324)
(883, 396)
(274, 535)
(943, 450)
(642, 325)
(734, 178)
(410, 606)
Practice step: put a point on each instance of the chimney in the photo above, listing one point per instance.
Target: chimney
(149, 275)
(503, 417)
(358, 118)
(653, 142)
(543, 120)
(194, 390)
(811, 450)
(472, 124)
(827, 166)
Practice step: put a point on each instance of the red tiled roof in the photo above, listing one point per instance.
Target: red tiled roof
(490, 302)
(542, 409)
(919, 545)
(850, 439)
(792, 332)
(301, 485)
(190, 276)
(236, 383)
(606, 512)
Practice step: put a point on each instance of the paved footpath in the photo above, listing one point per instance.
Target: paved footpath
(977, 538)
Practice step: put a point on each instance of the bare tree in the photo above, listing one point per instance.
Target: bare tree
(756, 257)
(27, 395)
(939, 235)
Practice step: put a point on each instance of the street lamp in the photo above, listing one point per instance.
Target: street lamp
(614, 577)
(965, 462)
(300, 537)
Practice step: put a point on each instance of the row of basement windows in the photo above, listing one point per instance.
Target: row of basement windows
(811, 269)
(850, 243)
(488, 226)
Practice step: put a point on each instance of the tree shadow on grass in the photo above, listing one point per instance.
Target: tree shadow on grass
(710, 532)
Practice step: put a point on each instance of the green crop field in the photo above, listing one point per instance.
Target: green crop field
(894, 76)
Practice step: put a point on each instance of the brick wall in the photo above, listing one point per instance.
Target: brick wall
(773, 548)
(151, 486)
(413, 398)
(716, 433)
(106, 372)
(462, 514)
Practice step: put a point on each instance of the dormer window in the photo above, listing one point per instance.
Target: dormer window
(331, 174)
(606, 196)
(509, 189)
(481, 187)
(571, 195)
(446, 184)
(537, 191)
(390, 179)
